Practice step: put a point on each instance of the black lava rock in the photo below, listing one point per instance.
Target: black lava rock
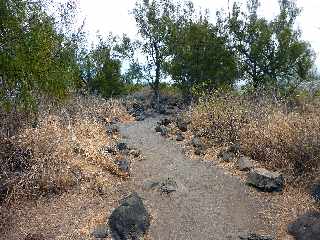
(182, 124)
(253, 236)
(123, 165)
(122, 146)
(265, 180)
(306, 227)
(315, 192)
(130, 220)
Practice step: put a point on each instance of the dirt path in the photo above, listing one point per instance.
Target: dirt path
(209, 204)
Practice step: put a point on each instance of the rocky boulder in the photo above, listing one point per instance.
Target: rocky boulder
(306, 227)
(265, 180)
(130, 220)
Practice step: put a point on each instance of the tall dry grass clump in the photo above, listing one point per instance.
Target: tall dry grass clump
(63, 149)
(271, 133)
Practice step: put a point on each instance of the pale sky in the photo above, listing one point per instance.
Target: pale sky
(113, 16)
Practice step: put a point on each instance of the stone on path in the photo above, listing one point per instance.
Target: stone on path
(306, 227)
(168, 186)
(265, 180)
(253, 236)
(130, 220)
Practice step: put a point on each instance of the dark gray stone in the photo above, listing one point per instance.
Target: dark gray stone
(123, 165)
(163, 131)
(180, 137)
(112, 129)
(109, 150)
(35, 236)
(165, 121)
(265, 180)
(306, 227)
(245, 164)
(197, 143)
(235, 148)
(168, 186)
(101, 231)
(140, 117)
(121, 146)
(158, 128)
(315, 192)
(130, 220)
(199, 151)
(253, 236)
(3, 191)
(162, 109)
(182, 124)
(226, 156)
(135, 153)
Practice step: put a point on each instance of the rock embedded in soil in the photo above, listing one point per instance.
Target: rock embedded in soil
(265, 180)
(182, 124)
(245, 163)
(168, 186)
(35, 236)
(101, 231)
(253, 236)
(112, 129)
(235, 148)
(158, 128)
(163, 131)
(180, 137)
(130, 220)
(123, 165)
(226, 156)
(315, 192)
(3, 191)
(306, 227)
(140, 117)
(165, 122)
(121, 146)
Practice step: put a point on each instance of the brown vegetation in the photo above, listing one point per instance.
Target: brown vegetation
(277, 136)
(62, 148)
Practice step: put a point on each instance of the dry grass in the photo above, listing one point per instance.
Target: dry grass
(64, 149)
(267, 132)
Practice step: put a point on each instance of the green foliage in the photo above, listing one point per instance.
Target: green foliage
(199, 57)
(271, 54)
(152, 18)
(34, 57)
(103, 71)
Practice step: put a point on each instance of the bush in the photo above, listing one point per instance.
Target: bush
(64, 149)
(281, 136)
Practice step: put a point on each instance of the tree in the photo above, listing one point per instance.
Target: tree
(271, 53)
(151, 18)
(103, 70)
(34, 57)
(199, 57)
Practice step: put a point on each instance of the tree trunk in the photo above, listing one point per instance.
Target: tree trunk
(156, 85)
